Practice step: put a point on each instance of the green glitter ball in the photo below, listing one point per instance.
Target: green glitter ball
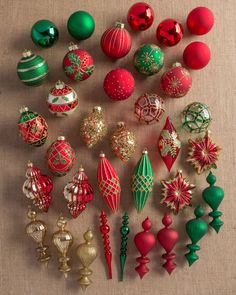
(148, 59)
(44, 33)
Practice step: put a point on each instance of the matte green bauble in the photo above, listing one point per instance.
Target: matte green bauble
(81, 25)
(44, 33)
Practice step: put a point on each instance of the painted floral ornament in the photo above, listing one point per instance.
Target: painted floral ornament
(177, 192)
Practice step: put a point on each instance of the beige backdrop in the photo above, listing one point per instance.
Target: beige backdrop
(214, 273)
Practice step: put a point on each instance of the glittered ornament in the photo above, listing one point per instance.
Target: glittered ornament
(119, 84)
(148, 59)
(116, 41)
(32, 127)
(169, 32)
(32, 69)
(123, 142)
(93, 127)
(60, 157)
(140, 16)
(78, 63)
(200, 21)
(44, 33)
(149, 108)
(124, 231)
(176, 82)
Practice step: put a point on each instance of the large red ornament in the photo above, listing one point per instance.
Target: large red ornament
(140, 16)
(119, 84)
(116, 41)
(200, 20)
(169, 32)
(196, 55)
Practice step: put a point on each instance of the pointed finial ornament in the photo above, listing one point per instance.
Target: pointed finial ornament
(124, 230)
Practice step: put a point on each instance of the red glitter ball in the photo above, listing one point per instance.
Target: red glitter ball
(140, 16)
(200, 21)
(169, 32)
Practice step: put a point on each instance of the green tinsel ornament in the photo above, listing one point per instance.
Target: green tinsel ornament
(124, 230)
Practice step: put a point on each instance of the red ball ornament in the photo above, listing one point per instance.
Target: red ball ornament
(116, 41)
(140, 16)
(119, 84)
(169, 32)
(200, 21)
(196, 55)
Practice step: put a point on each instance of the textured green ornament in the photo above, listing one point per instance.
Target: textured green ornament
(148, 59)
(32, 69)
(81, 25)
(213, 196)
(196, 229)
(44, 33)
(124, 230)
(142, 181)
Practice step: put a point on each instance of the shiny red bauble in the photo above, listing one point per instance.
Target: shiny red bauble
(140, 16)
(116, 41)
(196, 55)
(200, 21)
(169, 32)
(119, 84)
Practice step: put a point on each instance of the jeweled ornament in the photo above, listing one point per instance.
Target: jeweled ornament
(124, 231)
(78, 63)
(62, 100)
(169, 32)
(44, 33)
(140, 16)
(32, 127)
(200, 21)
(32, 69)
(148, 59)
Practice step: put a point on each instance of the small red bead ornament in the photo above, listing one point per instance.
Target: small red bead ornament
(169, 32)
(200, 21)
(140, 16)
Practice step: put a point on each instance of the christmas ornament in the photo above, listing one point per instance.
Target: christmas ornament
(196, 55)
(63, 239)
(176, 82)
(203, 153)
(32, 69)
(60, 157)
(105, 229)
(142, 181)
(169, 144)
(196, 228)
(116, 41)
(169, 32)
(213, 196)
(44, 33)
(200, 21)
(78, 193)
(140, 16)
(36, 230)
(78, 63)
(149, 108)
(86, 253)
(37, 187)
(123, 142)
(144, 242)
(196, 117)
(148, 59)
(124, 231)
(62, 100)
(93, 127)
(119, 84)
(80, 25)
(177, 192)
(32, 127)
(108, 183)
(168, 237)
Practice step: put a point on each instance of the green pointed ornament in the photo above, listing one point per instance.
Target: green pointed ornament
(213, 196)
(142, 181)
(124, 230)
(196, 228)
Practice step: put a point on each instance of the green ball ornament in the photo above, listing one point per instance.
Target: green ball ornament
(44, 33)
(81, 25)
(148, 59)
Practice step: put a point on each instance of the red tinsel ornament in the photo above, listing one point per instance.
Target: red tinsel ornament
(169, 32)
(140, 16)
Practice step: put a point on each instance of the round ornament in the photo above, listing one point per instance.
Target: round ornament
(176, 82)
(62, 100)
(78, 63)
(148, 59)
(169, 32)
(116, 41)
(60, 157)
(149, 108)
(32, 69)
(32, 127)
(140, 16)
(44, 33)
(119, 84)
(200, 21)
(81, 25)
